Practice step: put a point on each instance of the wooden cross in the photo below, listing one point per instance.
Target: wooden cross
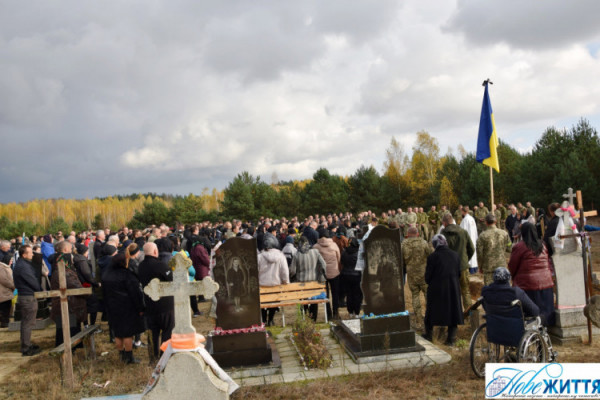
(63, 292)
(570, 195)
(181, 289)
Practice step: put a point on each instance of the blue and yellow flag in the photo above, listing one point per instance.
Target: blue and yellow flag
(487, 142)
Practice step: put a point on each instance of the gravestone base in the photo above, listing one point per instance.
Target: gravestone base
(367, 339)
(241, 349)
(187, 376)
(42, 317)
(39, 324)
(570, 327)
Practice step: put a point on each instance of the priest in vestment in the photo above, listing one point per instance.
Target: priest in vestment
(468, 224)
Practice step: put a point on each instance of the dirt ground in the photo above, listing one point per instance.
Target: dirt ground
(39, 377)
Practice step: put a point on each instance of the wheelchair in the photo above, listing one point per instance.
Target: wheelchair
(509, 338)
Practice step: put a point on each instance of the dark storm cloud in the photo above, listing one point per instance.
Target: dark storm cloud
(526, 24)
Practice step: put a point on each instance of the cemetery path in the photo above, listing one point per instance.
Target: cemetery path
(10, 362)
(11, 358)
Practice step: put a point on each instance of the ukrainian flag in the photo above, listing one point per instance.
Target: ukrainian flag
(487, 141)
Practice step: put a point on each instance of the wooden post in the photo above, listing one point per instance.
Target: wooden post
(63, 292)
(586, 264)
(67, 356)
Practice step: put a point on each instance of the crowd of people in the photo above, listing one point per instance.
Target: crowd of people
(440, 249)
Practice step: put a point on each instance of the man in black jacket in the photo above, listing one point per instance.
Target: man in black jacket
(160, 315)
(26, 283)
(511, 221)
(310, 233)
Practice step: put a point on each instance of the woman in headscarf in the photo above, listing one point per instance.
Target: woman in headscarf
(529, 266)
(124, 301)
(442, 276)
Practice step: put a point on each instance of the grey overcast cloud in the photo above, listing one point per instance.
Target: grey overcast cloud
(116, 97)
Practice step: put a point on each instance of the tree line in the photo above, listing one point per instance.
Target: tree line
(560, 159)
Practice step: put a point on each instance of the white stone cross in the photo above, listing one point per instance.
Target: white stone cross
(181, 289)
(570, 195)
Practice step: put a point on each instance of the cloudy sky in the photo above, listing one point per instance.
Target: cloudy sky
(115, 97)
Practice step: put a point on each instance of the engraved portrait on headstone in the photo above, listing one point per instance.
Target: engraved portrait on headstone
(236, 282)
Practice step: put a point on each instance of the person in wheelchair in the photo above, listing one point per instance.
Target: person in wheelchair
(499, 296)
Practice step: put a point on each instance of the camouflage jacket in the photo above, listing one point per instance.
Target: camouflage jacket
(498, 215)
(458, 216)
(411, 218)
(414, 254)
(481, 213)
(433, 216)
(400, 219)
(503, 212)
(492, 245)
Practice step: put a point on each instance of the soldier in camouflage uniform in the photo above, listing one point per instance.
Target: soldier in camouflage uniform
(441, 213)
(434, 222)
(391, 217)
(414, 254)
(503, 215)
(458, 215)
(480, 214)
(496, 213)
(400, 217)
(422, 223)
(530, 209)
(410, 219)
(491, 247)
(382, 221)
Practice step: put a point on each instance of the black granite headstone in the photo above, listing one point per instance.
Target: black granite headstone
(382, 279)
(383, 289)
(238, 306)
(236, 272)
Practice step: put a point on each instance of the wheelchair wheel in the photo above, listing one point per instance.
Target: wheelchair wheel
(481, 351)
(532, 348)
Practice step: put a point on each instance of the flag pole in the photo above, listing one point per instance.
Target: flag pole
(486, 82)
(492, 187)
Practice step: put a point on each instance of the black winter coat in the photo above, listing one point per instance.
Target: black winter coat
(84, 270)
(442, 276)
(348, 259)
(497, 299)
(123, 298)
(152, 268)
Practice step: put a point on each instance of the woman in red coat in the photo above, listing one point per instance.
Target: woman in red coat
(529, 267)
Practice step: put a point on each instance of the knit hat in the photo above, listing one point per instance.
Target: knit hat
(501, 275)
(289, 239)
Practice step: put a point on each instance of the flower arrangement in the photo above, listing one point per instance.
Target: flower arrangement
(309, 343)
